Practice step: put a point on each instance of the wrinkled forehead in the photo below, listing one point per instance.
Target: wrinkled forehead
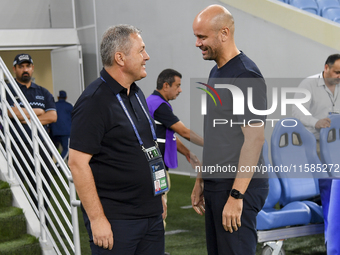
(137, 40)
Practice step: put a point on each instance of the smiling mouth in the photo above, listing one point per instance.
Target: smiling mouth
(204, 50)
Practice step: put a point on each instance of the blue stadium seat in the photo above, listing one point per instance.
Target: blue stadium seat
(333, 237)
(274, 183)
(324, 5)
(332, 14)
(329, 153)
(293, 149)
(307, 5)
(325, 186)
(295, 213)
(330, 145)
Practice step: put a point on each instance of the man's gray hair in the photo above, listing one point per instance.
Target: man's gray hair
(116, 39)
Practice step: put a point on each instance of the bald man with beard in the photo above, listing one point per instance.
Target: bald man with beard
(230, 201)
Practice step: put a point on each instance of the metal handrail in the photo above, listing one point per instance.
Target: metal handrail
(60, 210)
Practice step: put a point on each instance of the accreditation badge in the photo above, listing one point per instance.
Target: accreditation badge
(157, 168)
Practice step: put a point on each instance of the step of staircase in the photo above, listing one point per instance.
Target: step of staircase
(12, 223)
(13, 233)
(5, 194)
(26, 244)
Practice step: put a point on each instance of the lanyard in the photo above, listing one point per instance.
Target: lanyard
(130, 119)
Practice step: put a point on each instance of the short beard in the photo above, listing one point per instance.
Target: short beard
(333, 81)
(25, 79)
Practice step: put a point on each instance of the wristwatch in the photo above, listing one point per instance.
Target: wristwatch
(236, 194)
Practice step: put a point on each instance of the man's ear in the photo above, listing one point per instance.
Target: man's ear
(166, 85)
(326, 69)
(225, 33)
(120, 58)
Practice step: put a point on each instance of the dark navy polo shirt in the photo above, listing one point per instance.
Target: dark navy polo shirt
(223, 143)
(37, 96)
(121, 171)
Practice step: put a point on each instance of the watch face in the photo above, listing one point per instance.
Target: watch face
(236, 194)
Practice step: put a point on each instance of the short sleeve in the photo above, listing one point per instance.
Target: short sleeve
(49, 101)
(88, 128)
(165, 115)
(253, 88)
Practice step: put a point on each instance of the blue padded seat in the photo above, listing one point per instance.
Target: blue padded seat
(295, 213)
(332, 14)
(324, 5)
(274, 183)
(307, 5)
(293, 147)
(330, 145)
(329, 153)
(333, 237)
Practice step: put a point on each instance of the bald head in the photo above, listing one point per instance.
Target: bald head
(216, 17)
(214, 31)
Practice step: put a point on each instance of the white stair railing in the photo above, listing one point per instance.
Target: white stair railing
(46, 183)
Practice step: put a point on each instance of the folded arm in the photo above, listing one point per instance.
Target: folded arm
(44, 117)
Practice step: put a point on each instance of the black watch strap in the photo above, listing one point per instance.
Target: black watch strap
(236, 194)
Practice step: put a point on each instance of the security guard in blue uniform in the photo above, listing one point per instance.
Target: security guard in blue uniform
(42, 102)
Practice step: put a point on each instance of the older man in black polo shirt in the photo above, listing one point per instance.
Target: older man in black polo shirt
(114, 156)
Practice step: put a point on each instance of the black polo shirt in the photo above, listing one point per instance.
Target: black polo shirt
(121, 172)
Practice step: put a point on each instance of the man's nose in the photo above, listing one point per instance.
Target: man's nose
(198, 42)
(146, 56)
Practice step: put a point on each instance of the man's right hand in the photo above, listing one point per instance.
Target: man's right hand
(197, 198)
(102, 233)
(323, 123)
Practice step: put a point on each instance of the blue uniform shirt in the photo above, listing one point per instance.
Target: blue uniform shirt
(63, 125)
(37, 96)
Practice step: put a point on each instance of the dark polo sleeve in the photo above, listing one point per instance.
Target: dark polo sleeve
(165, 115)
(88, 126)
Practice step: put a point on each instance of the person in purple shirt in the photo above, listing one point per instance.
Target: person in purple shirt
(168, 124)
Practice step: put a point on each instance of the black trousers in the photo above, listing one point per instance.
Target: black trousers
(132, 237)
(240, 242)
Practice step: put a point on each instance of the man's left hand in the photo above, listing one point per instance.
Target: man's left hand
(231, 215)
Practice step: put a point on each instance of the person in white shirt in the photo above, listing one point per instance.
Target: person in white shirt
(325, 97)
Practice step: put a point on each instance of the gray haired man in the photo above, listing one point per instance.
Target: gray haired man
(113, 156)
